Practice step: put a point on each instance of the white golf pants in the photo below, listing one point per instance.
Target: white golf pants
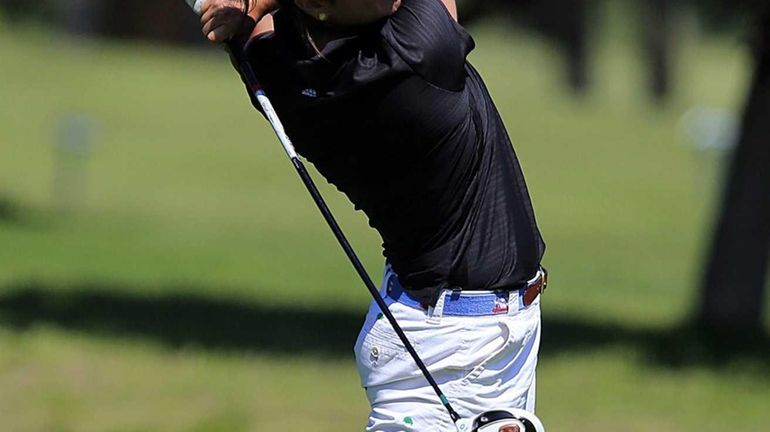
(481, 363)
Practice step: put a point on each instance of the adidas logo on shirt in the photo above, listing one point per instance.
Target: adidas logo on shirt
(310, 93)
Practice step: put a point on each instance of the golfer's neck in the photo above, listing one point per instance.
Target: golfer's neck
(323, 34)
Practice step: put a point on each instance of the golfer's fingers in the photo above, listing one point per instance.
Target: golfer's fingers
(211, 7)
(205, 7)
(222, 33)
(217, 17)
(222, 26)
(208, 12)
(210, 25)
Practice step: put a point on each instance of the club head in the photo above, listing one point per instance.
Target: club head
(507, 420)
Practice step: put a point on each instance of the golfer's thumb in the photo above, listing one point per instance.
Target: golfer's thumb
(220, 34)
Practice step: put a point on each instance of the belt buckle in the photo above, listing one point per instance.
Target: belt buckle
(455, 293)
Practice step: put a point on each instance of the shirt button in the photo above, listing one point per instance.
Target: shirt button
(375, 353)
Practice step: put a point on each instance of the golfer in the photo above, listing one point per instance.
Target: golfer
(379, 96)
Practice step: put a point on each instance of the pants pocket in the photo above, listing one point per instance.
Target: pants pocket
(381, 357)
(507, 377)
(504, 345)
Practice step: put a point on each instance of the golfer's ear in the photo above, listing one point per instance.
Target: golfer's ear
(314, 8)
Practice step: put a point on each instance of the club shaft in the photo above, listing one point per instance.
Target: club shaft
(300, 167)
(255, 87)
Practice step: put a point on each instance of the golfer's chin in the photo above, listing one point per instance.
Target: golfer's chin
(392, 5)
(387, 7)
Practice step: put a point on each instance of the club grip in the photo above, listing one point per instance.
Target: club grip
(235, 47)
(195, 5)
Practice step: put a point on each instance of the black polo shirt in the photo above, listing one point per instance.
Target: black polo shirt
(399, 121)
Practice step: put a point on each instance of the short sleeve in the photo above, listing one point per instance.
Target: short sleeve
(429, 40)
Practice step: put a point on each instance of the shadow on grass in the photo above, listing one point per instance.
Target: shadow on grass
(14, 214)
(683, 346)
(184, 320)
(180, 320)
(9, 210)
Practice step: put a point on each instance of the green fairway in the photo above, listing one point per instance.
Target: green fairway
(189, 201)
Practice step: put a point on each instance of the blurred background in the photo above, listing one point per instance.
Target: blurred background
(162, 268)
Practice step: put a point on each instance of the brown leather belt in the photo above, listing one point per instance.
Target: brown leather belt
(536, 287)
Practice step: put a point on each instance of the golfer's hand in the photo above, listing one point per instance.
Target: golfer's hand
(223, 19)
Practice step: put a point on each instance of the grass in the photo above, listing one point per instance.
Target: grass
(54, 381)
(189, 195)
